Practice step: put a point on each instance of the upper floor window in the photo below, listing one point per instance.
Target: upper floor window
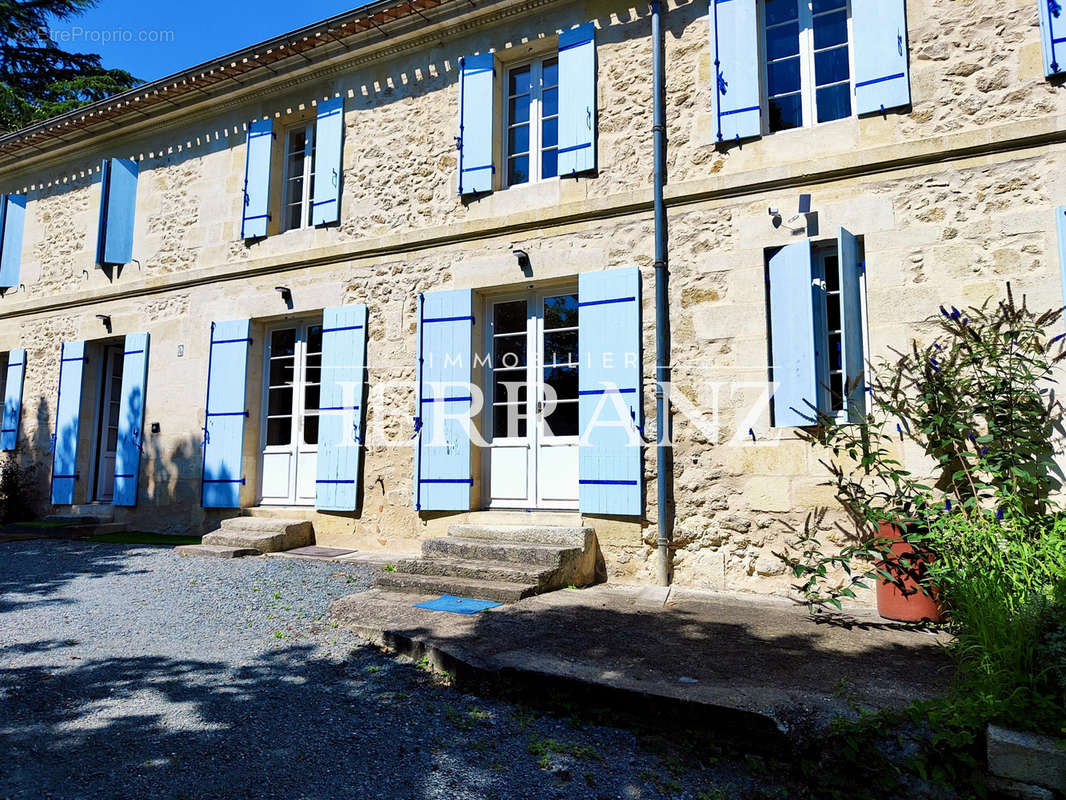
(299, 177)
(807, 62)
(532, 121)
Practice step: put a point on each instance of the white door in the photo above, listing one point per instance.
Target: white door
(290, 421)
(107, 441)
(531, 401)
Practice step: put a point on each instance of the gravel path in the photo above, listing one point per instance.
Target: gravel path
(133, 672)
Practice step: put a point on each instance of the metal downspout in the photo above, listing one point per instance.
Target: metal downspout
(664, 457)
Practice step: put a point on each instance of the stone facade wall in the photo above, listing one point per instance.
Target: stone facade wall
(951, 229)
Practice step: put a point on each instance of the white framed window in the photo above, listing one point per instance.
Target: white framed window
(531, 122)
(825, 267)
(299, 177)
(806, 62)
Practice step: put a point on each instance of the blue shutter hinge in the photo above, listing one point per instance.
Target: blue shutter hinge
(862, 267)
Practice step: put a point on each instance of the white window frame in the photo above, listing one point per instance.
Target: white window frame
(536, 119)
(820, 251)
(307, 196)
(806, 54)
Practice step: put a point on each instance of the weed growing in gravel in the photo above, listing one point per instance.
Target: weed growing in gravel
(279, 635)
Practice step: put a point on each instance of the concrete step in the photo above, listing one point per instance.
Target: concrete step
(569, 536)
(498, 591)
(266, 535)
(479, 570)
(541, 555)
(215, 551)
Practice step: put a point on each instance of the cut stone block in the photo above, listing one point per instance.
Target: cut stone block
(1026, 758)
(215, 551)
(265, 535)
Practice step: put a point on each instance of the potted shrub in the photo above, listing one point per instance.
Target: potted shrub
(976, 400)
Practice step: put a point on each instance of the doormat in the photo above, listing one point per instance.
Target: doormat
(457, 605)
(314, 551)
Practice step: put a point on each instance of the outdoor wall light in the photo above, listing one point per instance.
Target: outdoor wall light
(286, 294)
(523, 258)
(106, 319)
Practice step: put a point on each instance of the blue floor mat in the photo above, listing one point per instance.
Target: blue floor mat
(457, 605)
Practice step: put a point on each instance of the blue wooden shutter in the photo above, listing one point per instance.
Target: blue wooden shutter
(340, 426)
(736, 99)
(1060, 219)
(851, 270)
(577, 100)
(329, 139)
(227, 369)
(609, 392)
(118, 211)
(882, 77)
(1053, 34)
(68, 415)
(131, 419)
(256, 213)
(16, 373)
(476, 93)
(793, 354)
(12, 221)
(443, 480)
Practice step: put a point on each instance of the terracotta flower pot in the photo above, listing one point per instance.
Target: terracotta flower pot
(904, 600)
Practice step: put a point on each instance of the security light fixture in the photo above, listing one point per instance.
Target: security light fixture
(286, 294)
(106, 319)
(523, 258)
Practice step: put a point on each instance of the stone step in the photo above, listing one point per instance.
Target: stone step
(569, 536)
(215, 551)
(498, 591)
(508, 516)
(541, 555)
(266, 535)
(479, 570)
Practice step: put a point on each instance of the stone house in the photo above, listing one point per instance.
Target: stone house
(396, 270)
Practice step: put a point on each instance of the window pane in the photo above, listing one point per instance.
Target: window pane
(834, 351)
(294, 217)
(112, 440)
(279, 401)
(311, 429)
(563, 380)
(834, 102)
(518, 170)
(314, 340)
(509, 386)
(549, 163)
(836, 391)
(518, 110)
(313, 375)
(549, 103)
(832, 273)
(781, 11)
(280, 371)
(820, 6)
(560, 347)
(785, 113)
(297, 142)
(510, 351)
(562, 421)
(550, 73)
(283, 343)
(519, 81)
(831, 66)
(509, 317)
(518, 139)
(830, 29)
(832, 306)
(112, 414)
(560, 312)
(782, 42)
(550, 133)
(783, 76)
(508, 421)
(279, 431)
(311, 398)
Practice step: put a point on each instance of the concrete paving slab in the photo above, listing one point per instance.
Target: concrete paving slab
(747, 661)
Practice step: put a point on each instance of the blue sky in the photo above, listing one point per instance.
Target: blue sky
(153, 39)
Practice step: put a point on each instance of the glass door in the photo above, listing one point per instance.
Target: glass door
(290, 422)
(110, 408)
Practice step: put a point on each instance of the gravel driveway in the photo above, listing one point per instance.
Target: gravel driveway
(133, 672)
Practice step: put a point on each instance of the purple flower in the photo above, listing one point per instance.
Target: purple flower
(999, 513)
(944, 311)
(947, 505)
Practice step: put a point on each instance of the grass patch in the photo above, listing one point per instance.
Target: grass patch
(133, 537)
